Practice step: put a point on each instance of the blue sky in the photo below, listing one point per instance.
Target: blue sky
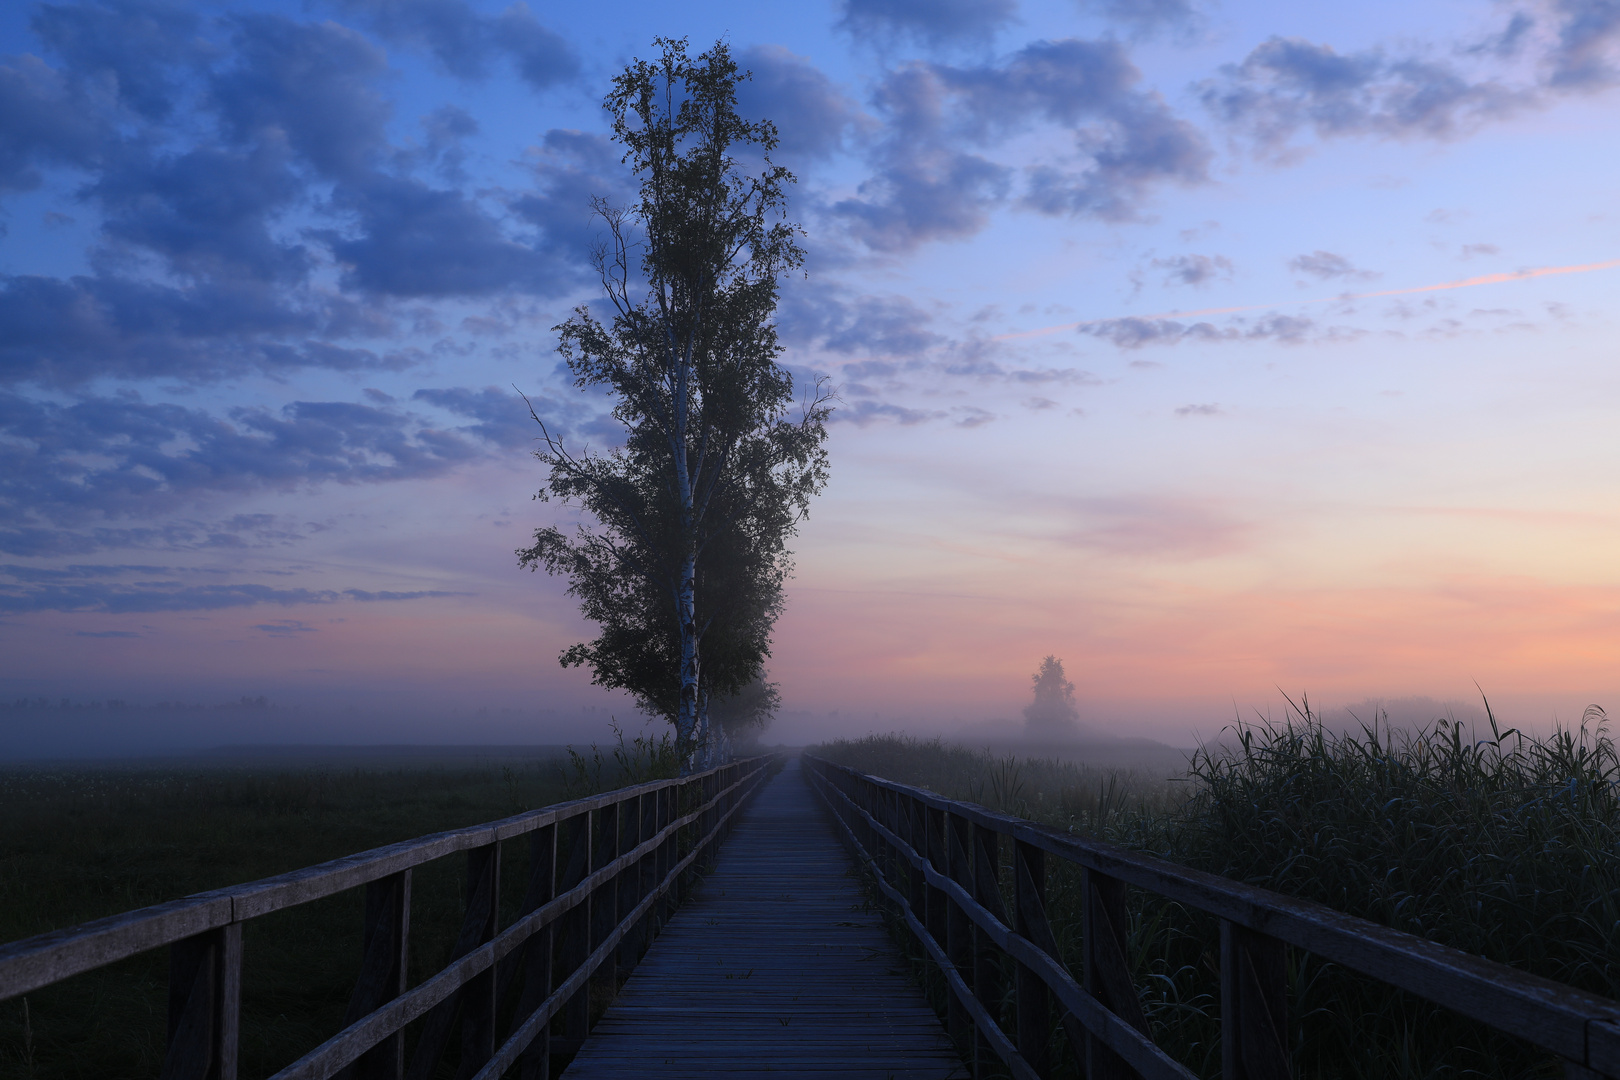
(1214, 348)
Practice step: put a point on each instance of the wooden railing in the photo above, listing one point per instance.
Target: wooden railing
(939, 863)
(603, 872)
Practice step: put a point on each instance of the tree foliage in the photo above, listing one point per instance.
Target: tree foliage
(684, 566)
(1053, 712)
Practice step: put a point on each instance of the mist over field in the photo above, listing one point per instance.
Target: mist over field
(1224, 351)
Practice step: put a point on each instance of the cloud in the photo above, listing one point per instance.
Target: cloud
(66, 331)
(45, 119)
(419, 241)
(1583, 57)
(168, 596)
(503, 418)
(971, 416)
(932, 180)
(813, 117)
(112, 458)
(925, 187)
(132, 47)
(1326, 266)
(828, 315)
(570, 168)
(1145, 17)
(1194, 269)
(930, 22)
(312, 84)
(79, 572)
(1133, 332)
(1200, 410)
(34, 541)
(863, 413)
(206, 211)
(466, 43)
(1289, 85)
(285, 627)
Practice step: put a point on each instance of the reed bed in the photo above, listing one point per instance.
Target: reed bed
(1500, 843)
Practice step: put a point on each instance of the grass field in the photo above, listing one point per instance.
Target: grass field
(1507, 846)
(81, 842)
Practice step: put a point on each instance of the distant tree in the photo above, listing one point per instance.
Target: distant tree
(742, 717)
(1052, 713)
(683, 570)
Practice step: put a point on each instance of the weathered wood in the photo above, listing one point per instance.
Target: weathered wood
(774, 966)
(331, 1056)
(1107, 968)
(534, 1063)
(1130, 1044)
(627, 888)
(605, 899)
(1254, 1005)
(1550, 1015)
(574, 928)
(987, 975)
(478, 997)
(1034, 999)
(385, 955)
(205, 995)
(38, 961)
(477, 928)
(958, 927)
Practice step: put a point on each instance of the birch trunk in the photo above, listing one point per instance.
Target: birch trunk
(686, 726)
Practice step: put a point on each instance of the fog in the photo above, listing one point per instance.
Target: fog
(40, 728)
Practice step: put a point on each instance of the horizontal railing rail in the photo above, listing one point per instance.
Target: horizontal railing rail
(938, 862)
(603, 873)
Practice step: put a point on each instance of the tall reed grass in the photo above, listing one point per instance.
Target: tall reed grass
(1500, 843)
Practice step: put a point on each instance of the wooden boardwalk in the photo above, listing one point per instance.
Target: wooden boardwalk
(773, 967)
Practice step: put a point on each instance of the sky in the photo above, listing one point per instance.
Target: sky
(1219, 349)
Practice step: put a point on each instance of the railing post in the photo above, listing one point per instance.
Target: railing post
(647, 872)
(628, 880)
(1034, 999)
(478, 995)
(958, 927)
(987, 980)
(668, 810)
(384, 955)
(1254, 1005)
(205, 1000)
(573, 929)
(604, 898)
(933, 849)
(535, 1061)
(1107, 977)
(916, 837)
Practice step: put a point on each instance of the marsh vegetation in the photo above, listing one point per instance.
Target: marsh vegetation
(1497, 842)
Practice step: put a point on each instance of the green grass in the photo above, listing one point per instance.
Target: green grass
(1506, 846)
(78, 843)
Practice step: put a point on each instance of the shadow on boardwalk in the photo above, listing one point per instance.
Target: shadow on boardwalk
(774, 966)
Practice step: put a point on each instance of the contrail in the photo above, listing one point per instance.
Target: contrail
(1465, 283)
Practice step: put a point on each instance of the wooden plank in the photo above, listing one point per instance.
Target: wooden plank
(775, 964)
(38, 961)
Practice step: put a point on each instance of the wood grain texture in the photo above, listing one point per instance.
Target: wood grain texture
(774, 965)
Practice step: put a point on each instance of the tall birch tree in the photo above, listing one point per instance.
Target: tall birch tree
(682, 569)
